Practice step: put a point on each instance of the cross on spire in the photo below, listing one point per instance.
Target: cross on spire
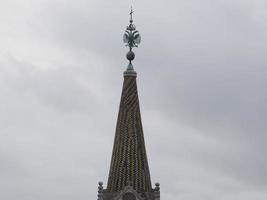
(131, 14)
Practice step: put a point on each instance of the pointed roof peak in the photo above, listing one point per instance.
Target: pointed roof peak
(129, 163)
(130, 71)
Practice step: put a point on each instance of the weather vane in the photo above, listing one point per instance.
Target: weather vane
(132, 39)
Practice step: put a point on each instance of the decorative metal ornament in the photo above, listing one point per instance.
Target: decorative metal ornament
(132, 39)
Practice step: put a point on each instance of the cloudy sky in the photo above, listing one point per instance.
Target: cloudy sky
(202, 77)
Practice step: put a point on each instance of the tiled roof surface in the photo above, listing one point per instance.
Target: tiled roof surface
(129, 160)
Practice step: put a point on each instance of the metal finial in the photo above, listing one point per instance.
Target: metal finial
(131, 14)
(132, 39)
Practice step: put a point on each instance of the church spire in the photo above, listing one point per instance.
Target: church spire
(129, 176)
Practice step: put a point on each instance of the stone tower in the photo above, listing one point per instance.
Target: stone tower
(129, 177)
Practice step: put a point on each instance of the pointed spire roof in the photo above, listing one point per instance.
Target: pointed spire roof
(129, 160)
(129, 164)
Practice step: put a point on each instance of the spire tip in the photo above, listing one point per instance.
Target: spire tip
(132, 39)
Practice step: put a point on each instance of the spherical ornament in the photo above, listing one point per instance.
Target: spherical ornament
(130, 55)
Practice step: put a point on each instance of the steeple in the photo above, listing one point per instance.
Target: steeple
(129, 176)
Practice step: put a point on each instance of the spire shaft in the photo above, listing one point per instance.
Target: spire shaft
(129, 159)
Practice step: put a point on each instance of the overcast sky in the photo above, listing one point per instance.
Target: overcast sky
(202, 69)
